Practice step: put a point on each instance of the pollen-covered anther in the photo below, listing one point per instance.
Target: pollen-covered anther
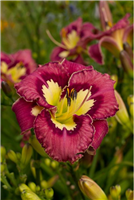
(71, 95)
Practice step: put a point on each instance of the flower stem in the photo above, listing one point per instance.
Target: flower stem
(5, 182)
(76, 181)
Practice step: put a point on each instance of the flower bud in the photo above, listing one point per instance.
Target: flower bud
(105, 15)
(115, 78)
(47, 161)
(5, 187)
(91, 189)
(3, 153)
(49, 193)
(26, 193)
(122, 114)
(126, 63)
(115, 192)
(128, 49)
(32, 186)
(18, 155)
(6, 88)
(54, 164)
(44, 184)
(27, 152)
(2, 167)
(129, 194)
(130, 100)
(52, 181)
(37, 188)
(12, 156)
(37, 146)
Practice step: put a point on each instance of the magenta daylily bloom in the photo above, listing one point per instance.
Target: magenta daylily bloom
(112, 38)
(74, 39)
(67, 105)
(15, 67)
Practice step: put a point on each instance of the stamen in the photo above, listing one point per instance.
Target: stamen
(68, 101)
(62, 61)
(54, 41)
(73, 94)
(67, 93)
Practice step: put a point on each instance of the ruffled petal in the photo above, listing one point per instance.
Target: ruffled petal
(102, 92)
(55, 54)
(101, 129)
(23, 111)
(25, 56)
(76, 25)
(31, 87)
(109, 43)
(5, 58)
(71, 67)
(121, 24)
(88, 33)
(61, 144)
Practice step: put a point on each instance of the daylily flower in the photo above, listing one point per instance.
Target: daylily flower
(74, 39)
(14, 67)
(113, 36)
(66, 103)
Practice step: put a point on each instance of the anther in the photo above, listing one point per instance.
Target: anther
(73, 94)
(68, 101)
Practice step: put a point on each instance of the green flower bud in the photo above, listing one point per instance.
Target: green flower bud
(122, 114)
(49, 193)
(6, 88)
(115, 192)
(44, 184)
(37, 146)
(37, 188)
(47, 161)
(27, 152)
(2, 166)
(129, 194)
(12, 156)
(54, 164)
(5, 187)
(115, 78)
(128, 49)
(3, 152)
(126, 63)
(32, 186)
(52, 181)
(91, 189)
(130, 100)
(18, 155)
(26, 193)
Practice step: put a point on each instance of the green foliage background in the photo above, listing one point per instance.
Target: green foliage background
(30, 20)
